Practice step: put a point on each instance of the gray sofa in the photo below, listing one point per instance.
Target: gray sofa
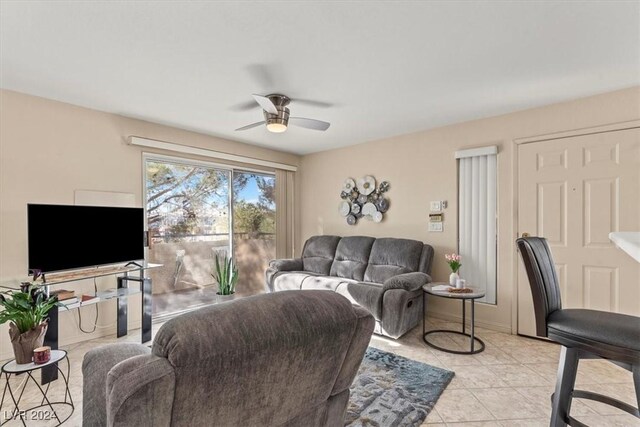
(284, 359)
(383, 275)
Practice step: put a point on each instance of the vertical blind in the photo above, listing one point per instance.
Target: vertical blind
(284, 213)
(477, 218)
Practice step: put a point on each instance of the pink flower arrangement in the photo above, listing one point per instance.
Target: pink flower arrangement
(454, 261)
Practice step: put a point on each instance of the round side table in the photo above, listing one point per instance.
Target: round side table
(471, 296)
(48, 412)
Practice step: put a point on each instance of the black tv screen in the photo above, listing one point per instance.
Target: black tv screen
(63, 237)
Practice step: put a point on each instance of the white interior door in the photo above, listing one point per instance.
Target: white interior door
(575, 191)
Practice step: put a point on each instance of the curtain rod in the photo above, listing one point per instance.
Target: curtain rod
(473, 152)
(186, 149)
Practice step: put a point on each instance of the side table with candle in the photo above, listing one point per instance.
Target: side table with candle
(441, 289)
(48, 409)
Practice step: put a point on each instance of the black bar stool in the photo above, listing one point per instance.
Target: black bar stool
(583, 334)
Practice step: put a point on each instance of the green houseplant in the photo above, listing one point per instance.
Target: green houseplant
(27, 312)
(226, 275)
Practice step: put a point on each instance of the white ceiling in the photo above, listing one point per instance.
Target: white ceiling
(388, 68)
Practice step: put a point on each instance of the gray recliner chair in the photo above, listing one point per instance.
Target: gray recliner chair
(284, 359)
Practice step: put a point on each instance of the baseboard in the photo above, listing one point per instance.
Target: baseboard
(498, 327)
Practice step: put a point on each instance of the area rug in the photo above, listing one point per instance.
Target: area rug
(391, 390)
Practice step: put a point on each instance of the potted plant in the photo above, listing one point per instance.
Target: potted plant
(454, 263)
(26, 311)
(226, 275)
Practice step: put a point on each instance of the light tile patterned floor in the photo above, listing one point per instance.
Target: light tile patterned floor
(509, 384)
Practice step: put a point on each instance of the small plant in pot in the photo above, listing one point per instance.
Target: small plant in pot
(27, 312)
(226, 275)
(454, 263)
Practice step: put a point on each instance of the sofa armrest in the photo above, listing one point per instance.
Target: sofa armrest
(279, 265)
(293, 264)
(407, 281)
(95, 367)
(140, 391)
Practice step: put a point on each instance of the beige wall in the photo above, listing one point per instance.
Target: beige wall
(421, 168)
(49, 149)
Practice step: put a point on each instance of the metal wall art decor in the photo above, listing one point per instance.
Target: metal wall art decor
(363, 199)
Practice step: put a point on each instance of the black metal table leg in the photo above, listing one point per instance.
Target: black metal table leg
(16, 403)
(473, 326)
(464, 318)
(50, 373)
(146, 309)
(122, 309)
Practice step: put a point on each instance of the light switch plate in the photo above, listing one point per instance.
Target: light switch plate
(435, 226)
(435, 206)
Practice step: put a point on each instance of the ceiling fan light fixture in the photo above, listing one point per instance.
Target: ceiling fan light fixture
(276, 115)
(276, 127)
(277, 123)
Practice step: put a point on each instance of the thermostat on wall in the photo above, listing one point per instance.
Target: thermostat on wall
(435, 226)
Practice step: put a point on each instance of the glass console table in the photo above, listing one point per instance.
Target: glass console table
(131, 272)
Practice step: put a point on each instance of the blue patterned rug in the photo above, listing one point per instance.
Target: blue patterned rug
(391, 390)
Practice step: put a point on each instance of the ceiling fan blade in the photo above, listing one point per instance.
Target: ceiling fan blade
(252, 125)
(265, 103)
(309, 123)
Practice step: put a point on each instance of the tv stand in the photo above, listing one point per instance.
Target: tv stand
(122, 293)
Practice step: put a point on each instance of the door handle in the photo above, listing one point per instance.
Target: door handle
(525, 234)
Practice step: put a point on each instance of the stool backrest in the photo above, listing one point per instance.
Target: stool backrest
(543, 279)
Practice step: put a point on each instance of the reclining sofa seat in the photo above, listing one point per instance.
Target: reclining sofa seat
(283, 360)
(383, 275)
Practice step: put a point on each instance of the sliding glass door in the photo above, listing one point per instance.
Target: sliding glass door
(196, 210)
(254, 228)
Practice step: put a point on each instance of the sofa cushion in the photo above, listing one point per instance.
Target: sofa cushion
(318, 254)
(390, 257)
(323, 283)
(291, 280)
(352, 257)
(367, 295)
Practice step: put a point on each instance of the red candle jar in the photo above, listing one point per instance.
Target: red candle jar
(41, 355)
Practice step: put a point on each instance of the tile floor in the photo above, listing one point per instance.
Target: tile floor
(509, 384)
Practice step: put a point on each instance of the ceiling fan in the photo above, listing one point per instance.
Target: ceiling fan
(276, 115)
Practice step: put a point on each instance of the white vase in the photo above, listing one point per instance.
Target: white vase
(453, 278)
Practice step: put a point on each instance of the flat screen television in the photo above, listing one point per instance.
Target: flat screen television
(65, 237)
